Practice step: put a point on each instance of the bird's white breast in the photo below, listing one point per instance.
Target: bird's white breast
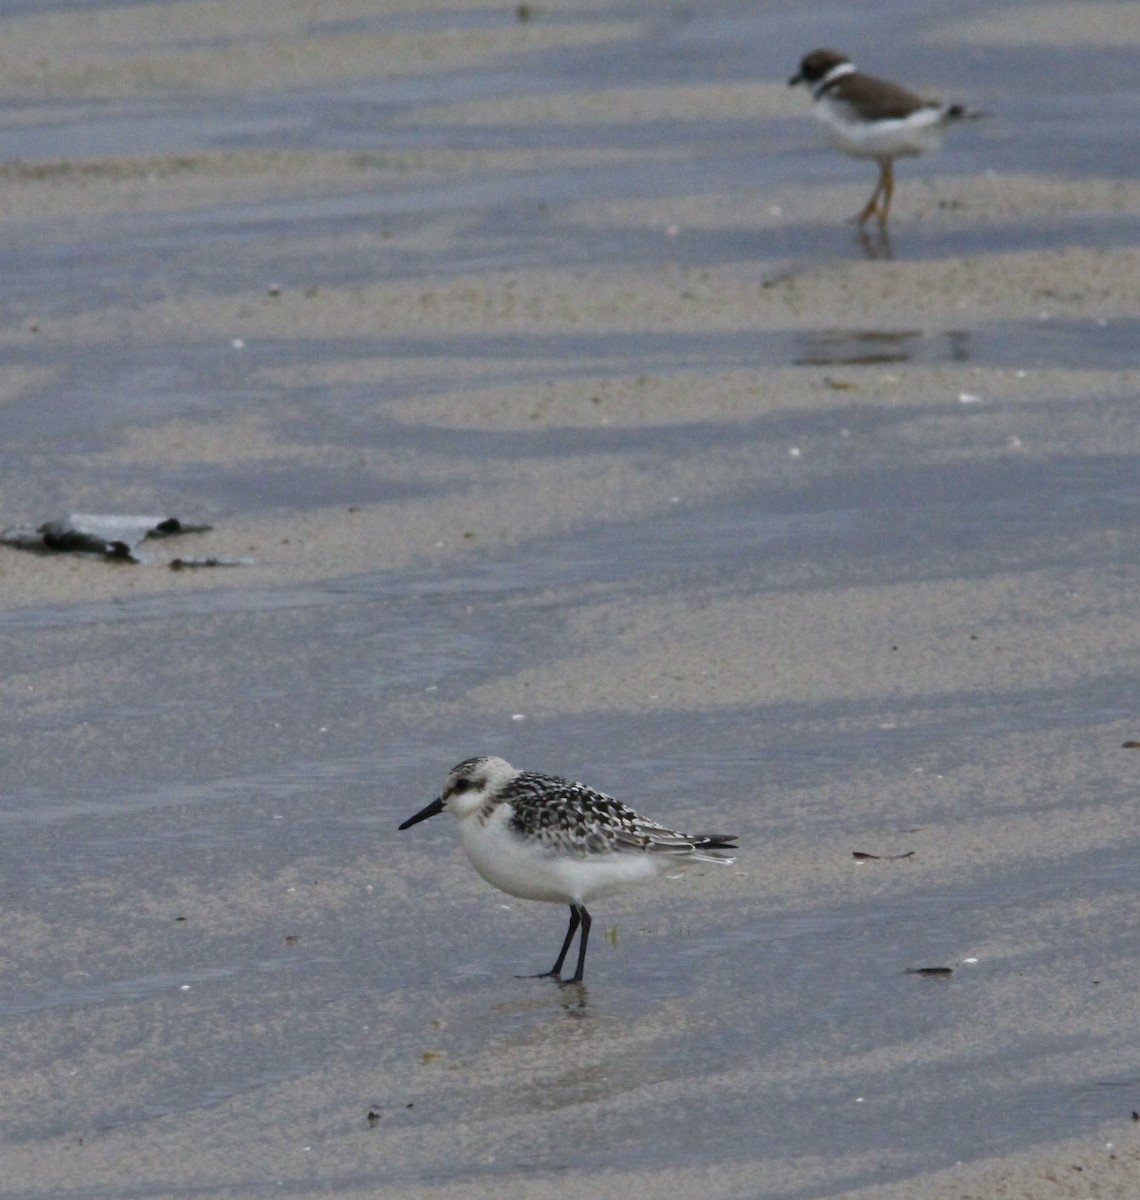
(533, 869)
(894, 138)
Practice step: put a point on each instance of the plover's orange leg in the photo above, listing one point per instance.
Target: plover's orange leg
(888, 185)
(884, 188)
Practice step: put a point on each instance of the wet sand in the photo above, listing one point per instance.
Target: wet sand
(545, 441)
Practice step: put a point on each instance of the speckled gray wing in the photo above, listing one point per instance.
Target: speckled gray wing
(572, 818)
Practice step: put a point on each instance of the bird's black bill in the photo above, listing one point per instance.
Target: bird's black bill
(432, 810)
(795, 79)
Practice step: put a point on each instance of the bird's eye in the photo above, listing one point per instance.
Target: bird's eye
(460, 785)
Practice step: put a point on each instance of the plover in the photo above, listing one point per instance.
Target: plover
(872, 118)
(540, 837)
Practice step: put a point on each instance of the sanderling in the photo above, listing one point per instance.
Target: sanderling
(872, 118)
(539, 837)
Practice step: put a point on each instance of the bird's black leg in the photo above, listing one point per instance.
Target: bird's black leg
(575, 920)
(586, 923)
(556, 970)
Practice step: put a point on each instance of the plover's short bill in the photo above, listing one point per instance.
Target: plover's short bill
(871, 118)
(539, 837)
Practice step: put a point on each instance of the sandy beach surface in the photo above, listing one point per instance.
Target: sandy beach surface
(534, 381)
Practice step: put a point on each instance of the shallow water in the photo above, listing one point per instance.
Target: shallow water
(252, 736)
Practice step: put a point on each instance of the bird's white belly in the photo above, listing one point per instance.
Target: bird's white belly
(531, 871)
(919, 132)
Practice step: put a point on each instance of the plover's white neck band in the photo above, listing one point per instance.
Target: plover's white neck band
(836, 72)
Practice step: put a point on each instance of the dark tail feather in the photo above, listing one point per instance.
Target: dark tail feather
(716, 841)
